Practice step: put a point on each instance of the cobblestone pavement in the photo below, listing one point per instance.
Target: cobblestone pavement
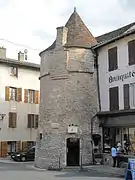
(21, 171)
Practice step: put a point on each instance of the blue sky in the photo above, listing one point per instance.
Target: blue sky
(32, 23)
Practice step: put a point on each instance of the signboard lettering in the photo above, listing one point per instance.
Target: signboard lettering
(121, 77)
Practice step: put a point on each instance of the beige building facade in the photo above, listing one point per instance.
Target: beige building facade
(19, 103)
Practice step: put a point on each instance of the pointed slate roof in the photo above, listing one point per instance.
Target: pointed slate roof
(78, 34)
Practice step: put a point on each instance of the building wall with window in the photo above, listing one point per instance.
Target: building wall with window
(114, 76)
(19, 101)
(116, 63)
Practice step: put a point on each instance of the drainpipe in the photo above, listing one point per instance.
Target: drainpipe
(95, 52)
(92, 119)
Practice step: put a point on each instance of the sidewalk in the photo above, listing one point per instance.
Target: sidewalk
(107, 170)
(8, 160)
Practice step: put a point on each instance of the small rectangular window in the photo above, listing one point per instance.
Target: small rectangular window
(14, 71)
(131, 52)
(112, 59)
(31, 96)
(32, 121)
(12, 120)
(114, 98)
(132, 95)
(126, 96)
(13, 93)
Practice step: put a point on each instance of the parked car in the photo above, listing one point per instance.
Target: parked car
(24, 156)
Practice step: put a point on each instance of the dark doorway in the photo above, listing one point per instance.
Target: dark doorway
(73, 151)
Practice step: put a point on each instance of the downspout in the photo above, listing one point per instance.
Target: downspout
(98, 88)
(97, 70)
(96, 66)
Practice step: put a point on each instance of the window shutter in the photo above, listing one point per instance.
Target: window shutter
(126, 96)
(131, 52)
(24, 146)
(10, 120)
(6, 93)
(14, 120)
(29, 121)
(25, 95)
(18, 146)
(36, 121)
(36, 97)
(112, 59)
(19, 94)
(114, 98)
(3, 148)
(16, 71)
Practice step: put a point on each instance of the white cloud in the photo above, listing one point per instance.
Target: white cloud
(34, 22)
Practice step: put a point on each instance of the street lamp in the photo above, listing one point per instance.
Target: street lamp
(2, 116)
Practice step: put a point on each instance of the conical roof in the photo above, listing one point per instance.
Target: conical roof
(78, 33)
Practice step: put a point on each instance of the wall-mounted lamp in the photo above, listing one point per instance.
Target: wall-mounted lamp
(2, 116)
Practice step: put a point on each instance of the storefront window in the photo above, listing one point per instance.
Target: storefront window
(132, 139)
(124, 136)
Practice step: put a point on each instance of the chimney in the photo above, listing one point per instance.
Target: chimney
(2, 52)
(21, 56)
(61, 38)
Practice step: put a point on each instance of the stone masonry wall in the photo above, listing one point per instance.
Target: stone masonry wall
(68, 96)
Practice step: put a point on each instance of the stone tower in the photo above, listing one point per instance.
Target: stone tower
(68, 97)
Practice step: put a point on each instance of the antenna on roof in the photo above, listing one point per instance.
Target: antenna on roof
(74, 9)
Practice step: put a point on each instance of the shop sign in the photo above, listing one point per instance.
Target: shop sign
(122, 77)
(72, 129)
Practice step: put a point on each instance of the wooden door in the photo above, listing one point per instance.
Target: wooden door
(18, 146)
(24, 146)
(3, 148)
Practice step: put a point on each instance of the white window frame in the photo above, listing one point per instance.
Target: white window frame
(33, 96)
(14, 69)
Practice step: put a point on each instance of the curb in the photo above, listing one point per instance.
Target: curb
(106, 173)
(9, 161)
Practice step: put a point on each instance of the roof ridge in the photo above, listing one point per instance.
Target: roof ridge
(118, 30)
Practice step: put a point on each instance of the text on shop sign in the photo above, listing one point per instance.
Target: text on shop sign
(122, 77)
